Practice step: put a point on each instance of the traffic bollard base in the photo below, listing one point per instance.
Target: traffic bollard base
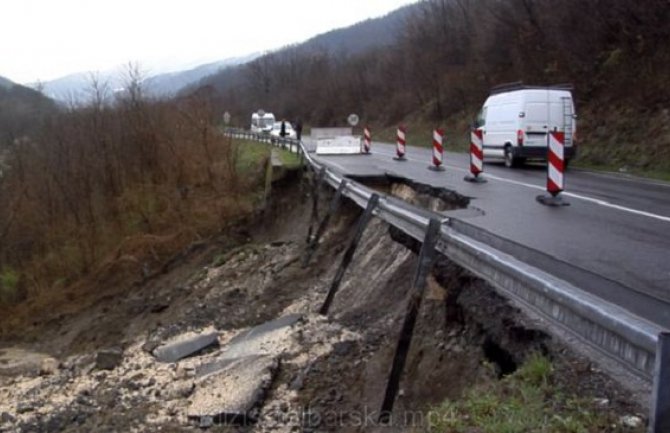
(474, 179)
(400, 158)
(436, 168)
(550, 200)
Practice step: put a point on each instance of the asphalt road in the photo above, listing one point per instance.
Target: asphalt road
(613, 240)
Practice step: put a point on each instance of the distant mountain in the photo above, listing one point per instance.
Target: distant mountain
(77, 87)
(171, 83)
(277, 80)
(5, 83)
(20, 109)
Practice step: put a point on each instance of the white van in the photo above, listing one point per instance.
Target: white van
(515, 120)
(262, 122)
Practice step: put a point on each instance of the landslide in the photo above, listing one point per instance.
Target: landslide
(332, 370)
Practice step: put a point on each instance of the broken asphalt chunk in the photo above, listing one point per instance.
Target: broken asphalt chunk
(185, 346)
(232, 394)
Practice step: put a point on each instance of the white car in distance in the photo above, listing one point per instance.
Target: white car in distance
(275, 132)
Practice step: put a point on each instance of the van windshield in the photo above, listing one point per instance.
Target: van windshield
(267, 121)
(481, 118)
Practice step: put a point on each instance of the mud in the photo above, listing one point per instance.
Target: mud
(331, 372)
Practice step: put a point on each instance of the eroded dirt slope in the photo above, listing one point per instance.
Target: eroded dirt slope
(322, 374)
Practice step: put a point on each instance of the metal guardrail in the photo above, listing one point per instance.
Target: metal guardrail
(628, 340)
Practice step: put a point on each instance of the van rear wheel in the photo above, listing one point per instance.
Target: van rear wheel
(510, 160)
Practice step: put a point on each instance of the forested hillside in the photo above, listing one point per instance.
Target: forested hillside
(447, 54)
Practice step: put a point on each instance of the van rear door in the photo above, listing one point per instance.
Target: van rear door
(545, 110)
(535, 122)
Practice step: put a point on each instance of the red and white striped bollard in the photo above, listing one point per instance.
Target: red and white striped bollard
(367, 140)
(555, 170)
(400, 144)
(438, 150)
(476, 157)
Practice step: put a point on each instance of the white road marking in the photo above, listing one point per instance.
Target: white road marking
(618, 207)
(623, 177)
(593, 200)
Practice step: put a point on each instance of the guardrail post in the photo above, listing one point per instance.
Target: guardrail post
(659, 420)
(316, 187)
(349, 253)
(426, 259)
(332, 209)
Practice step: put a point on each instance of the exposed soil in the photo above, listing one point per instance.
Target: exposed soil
(333, 370)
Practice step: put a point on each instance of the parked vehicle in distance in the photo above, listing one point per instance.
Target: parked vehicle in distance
(516, 119)
(289, 131)
(261, 122)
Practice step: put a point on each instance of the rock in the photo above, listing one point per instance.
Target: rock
(187, 372)
(601, 402)
(184, 346)
(159, 308)
(206, 422)
(49, 367)
(180, 390)
(131, 385)
(81, 364)
(631, 421)
(84, 401)
(343, 348)
(150, 345)
(109, 359)
(299, 380)
(15, 362)
(7, 418)
(24, 407)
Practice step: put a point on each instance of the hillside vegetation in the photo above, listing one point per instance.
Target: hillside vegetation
(447, 54)
(94, 196)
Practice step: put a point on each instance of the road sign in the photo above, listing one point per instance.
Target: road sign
(353, 119)
(226, 118)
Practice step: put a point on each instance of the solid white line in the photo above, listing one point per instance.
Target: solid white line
(618, 207)
(597, 201)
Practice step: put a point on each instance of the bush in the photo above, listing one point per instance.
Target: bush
(9, 286)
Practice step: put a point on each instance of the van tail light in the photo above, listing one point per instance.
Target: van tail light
(519, 137)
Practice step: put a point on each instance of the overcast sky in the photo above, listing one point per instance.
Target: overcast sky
(46, 39)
